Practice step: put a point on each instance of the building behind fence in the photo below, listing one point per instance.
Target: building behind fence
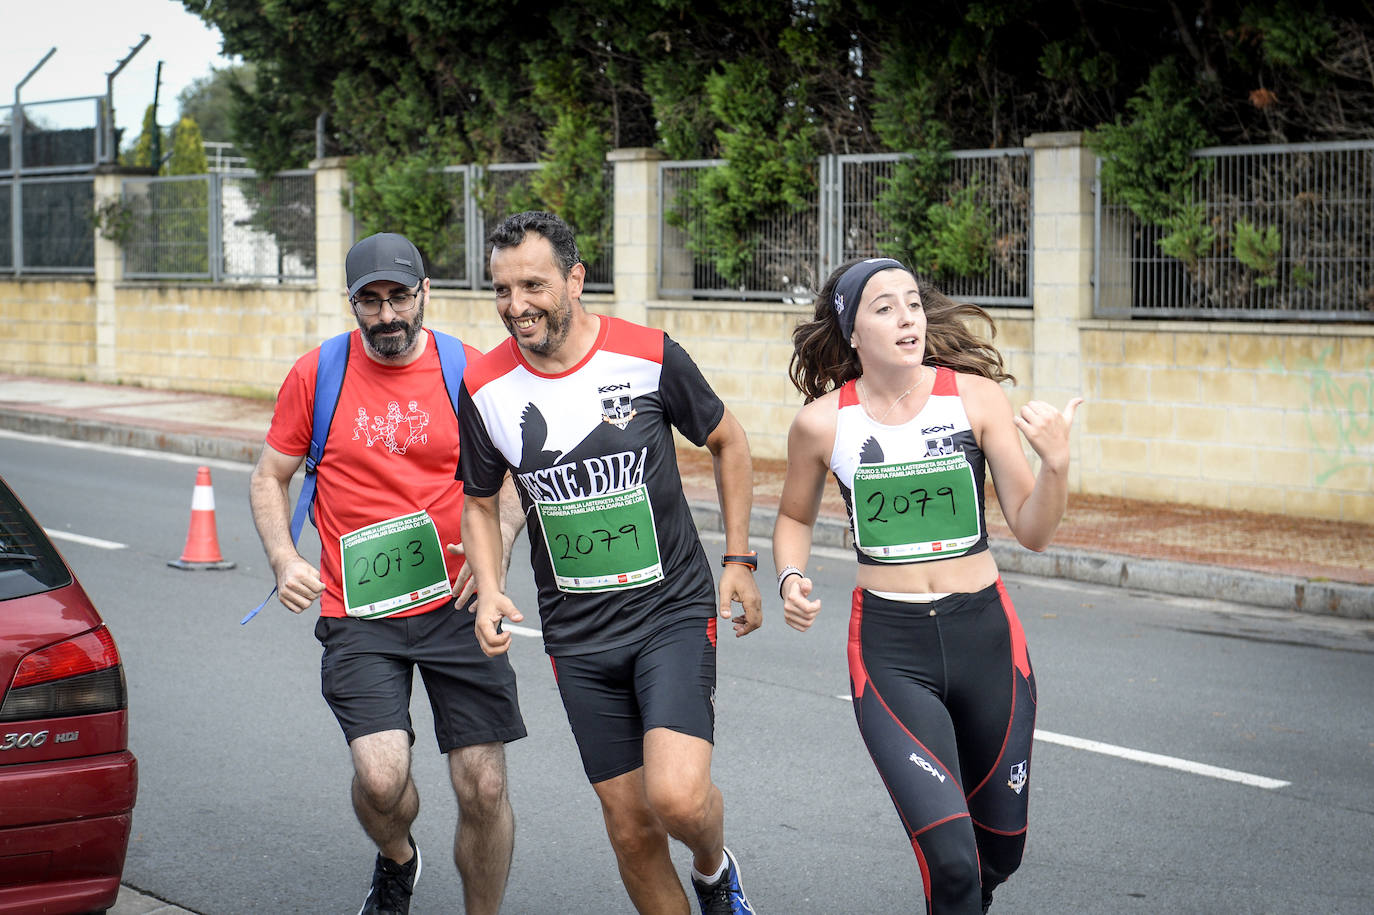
(1245, 383)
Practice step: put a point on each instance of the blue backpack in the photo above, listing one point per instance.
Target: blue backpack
(328, 385)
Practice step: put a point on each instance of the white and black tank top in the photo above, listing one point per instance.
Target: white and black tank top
(914, 492)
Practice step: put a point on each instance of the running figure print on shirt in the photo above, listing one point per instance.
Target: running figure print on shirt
(387, 427)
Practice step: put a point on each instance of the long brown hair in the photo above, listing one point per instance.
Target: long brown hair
(823, 360)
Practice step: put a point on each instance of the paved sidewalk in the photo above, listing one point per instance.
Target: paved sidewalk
(1271, 561)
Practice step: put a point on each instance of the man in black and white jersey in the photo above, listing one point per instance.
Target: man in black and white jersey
(580, 408)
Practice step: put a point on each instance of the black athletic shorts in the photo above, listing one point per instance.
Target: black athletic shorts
(614, 697)
(367, 668)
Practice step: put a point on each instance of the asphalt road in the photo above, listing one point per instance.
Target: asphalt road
(243, 802)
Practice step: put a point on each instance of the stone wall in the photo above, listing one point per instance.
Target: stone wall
(1241, 416)
(49, 327)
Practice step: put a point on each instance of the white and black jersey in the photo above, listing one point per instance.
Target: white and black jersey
(615, 553)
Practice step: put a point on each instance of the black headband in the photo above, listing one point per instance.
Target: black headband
(851, 287)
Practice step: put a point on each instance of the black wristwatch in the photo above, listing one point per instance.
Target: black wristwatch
(750, 559)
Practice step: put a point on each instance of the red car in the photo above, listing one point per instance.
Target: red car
(67, 779)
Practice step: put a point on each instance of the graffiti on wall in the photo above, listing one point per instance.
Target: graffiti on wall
(1346, 402)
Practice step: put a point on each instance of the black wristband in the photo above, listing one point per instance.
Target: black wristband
(750, 559)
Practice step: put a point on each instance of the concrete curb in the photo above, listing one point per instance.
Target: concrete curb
(1163, 576)
(195, 444)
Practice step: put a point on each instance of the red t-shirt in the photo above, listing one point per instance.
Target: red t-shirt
(392, 451)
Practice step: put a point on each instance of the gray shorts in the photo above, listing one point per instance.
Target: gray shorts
(367, 668)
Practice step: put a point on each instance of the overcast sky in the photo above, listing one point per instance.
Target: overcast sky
(91, 37)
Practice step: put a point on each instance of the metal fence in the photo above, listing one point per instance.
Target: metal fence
(1000, 183)
(6, 238)
(55, 136)
(786, 249)
(481, 197)
(47, 151)
(233, 227)
(52, 232)
(1277, 232)
(793, 252)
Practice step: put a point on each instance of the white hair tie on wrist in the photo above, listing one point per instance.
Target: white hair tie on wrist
(782, 576)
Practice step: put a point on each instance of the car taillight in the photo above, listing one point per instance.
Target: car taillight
(81, 676)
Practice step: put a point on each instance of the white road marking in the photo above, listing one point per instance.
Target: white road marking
(1155, 759)
(83, 539)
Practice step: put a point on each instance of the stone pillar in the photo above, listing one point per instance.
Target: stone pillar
(1061, 267)
(108, 185)
(333, 238)
(636, 230)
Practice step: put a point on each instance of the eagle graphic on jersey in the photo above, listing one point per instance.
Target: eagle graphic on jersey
(871, 452)
(534, 432)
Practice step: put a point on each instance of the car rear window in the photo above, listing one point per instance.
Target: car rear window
(28, 562)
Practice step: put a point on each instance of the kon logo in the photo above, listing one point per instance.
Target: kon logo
(918, 760)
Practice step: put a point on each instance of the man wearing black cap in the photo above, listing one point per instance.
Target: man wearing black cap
(390, 598)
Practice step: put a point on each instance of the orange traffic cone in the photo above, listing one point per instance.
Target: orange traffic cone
(202, 543)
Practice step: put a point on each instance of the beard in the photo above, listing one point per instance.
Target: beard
(390, 347)
(556, 325)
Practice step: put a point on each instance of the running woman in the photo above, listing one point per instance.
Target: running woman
(904, 408)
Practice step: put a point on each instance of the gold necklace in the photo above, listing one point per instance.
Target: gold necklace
(864, 391)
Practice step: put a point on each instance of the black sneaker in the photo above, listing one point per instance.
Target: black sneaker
(726, 895)
(392, 885)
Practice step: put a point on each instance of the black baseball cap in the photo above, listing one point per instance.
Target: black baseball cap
(384, 256)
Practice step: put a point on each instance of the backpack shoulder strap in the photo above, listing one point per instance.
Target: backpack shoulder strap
(328, 383)
(452, 360)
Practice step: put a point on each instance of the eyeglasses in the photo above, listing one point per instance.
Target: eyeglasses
(401, 302)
